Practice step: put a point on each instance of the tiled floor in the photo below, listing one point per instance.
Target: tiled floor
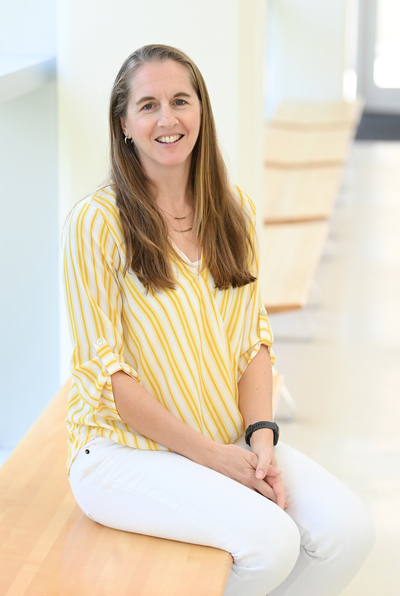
(346, 380)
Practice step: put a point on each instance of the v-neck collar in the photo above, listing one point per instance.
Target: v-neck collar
(184, 256)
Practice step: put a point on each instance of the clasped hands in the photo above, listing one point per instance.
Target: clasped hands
(267, 471)
(257, 469)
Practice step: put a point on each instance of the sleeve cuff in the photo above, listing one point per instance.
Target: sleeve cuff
(110, 361)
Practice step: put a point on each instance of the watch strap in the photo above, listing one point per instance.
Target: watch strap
(262, 424)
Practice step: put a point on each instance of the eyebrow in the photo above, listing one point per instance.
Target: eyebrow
(150, 98)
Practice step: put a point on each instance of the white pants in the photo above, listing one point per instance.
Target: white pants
(314, 548)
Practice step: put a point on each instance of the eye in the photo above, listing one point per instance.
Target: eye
(180, 102)
(148, 106)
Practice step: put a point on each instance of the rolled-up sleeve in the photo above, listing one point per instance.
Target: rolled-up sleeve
(256, 330)
(93, 300)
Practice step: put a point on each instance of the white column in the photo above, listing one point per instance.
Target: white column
(250, 148)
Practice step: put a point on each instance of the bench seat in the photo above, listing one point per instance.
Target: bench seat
(290, 254)
(300, 194)
(318, 115)
(48, 547)
(311, 148)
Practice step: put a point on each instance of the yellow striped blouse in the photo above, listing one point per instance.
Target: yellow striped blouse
(188, 346)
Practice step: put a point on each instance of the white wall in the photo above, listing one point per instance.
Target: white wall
(29, 243)
(29, 247)
(307, 50)
(94, 37)
(251, 87)
(27, 27)
(351, 45)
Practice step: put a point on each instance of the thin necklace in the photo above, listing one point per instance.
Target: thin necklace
(181, 231)
(182, 217)
(178, 218)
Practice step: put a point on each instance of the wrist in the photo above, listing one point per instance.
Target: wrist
(258, 427)
(209, 453)
(263, 437)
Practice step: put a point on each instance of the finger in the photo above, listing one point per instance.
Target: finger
(279, 491)
(273, 471)
(280, 498)
(252, 459)
(265, 489)
(263, 466)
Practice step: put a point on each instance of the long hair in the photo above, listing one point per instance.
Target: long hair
(220, 225)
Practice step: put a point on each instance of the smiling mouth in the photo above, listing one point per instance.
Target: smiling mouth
(166, 140)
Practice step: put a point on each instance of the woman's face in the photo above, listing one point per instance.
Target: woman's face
(163, 116)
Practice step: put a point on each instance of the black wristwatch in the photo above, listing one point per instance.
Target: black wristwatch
(263, 424)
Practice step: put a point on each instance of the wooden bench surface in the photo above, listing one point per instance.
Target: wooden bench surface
(296, 148)
(300, 194)
(289, 257)
(48, 547)
(321, 115)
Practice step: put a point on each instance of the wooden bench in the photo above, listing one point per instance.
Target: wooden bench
(286, 148)
(306, 147)
(300, 194)
(318, 115)
(290, 254)
(48, 547)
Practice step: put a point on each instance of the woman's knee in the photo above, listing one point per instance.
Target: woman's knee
(348, 532)
(285, 547)
(270, 551)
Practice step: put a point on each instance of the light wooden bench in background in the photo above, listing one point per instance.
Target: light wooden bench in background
(306, 148)
(48, 547)
(290, 254)
(304, 194)
(318, 115)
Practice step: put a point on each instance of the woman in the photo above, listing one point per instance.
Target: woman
(172, 360)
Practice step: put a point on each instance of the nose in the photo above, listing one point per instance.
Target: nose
(167, 117)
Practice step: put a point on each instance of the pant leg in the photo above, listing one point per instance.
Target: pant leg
(166, 495)
(337, 532)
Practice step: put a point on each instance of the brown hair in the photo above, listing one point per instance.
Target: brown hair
(219, 223)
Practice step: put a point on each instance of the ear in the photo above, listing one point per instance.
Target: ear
(123, 126)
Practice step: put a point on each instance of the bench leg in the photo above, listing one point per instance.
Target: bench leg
(296, 325)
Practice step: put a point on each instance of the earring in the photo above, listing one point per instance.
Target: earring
(128, 139)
